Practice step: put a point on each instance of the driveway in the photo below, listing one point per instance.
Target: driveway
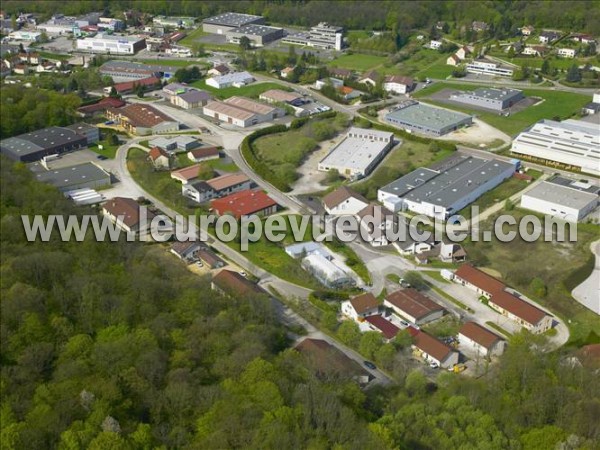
(588, 292)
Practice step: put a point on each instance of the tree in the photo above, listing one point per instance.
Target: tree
(415, 280)
(573, 74)
(370, 343)
(292, 58)
(545, 69)
(333, 175)
(245, 43)
(349, 333)
(511, 52)
(113, 93)
(198, 49)
(538, 288)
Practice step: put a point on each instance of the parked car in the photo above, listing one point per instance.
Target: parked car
(102, 157)
(244, 274)
(369, 365)
(109, 122)
(434, 365)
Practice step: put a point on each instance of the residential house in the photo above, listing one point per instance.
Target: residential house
(159, 158)
(202, 191)
(186, 251)
(413, 306)
(504, 302)
(535, 50)
(127, 214)
(479, 26)
(375, 222)
(517, 47)
(434, 351)
(233, 284)
(371, 78)
(463, 52)
(347, 93)
(21, 69)
(480, 340)
(527, 30)
(244, 203)
(338, 72)
(453, 60)
(547, 37)
(187, 174)
(334, 82)
(344, 201)
(219, 70)
(204, 154)
(377, 322)
(398, 84)
(452, 252)
(286, 72)
(566, 52)
(209, 258)
(583, 38)
(434, 45)
(361, 306)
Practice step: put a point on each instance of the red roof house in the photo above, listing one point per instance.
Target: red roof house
(244, 203)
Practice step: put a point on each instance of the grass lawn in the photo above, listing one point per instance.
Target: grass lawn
(271, 256)
(554, 104)
(56, 56)
(439, 70)
(436, 276)
(445, 327)
(520, 262)
(108, 150)
(536, 63)
(192, 37)
(252, 90)
(357, 61)
(284, 152)
(219, 164)
(171, 62)
(398, 162)
(158, 183)
(497, 195)
(352, 259)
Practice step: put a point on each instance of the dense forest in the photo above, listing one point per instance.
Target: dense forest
(502, 15)
(118, 346)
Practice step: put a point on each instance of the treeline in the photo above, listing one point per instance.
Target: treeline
(580, 15)
(119, 346)
(28, 109)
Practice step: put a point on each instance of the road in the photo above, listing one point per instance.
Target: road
(588, 292)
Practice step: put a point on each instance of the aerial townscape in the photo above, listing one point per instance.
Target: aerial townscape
(430, 118)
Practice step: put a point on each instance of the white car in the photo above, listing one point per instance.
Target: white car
(434, 365)
(244, 274)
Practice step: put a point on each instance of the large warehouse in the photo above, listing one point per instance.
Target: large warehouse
(490, 98)
(440, 193)
(241, 111)
(142, 119)
(414, 306)
(359, 153)
(86, 175)
(570, 144)
(120, 70)
(563, 198)
(259, 35)
(430, 120)
(115, 45)
(34, 146)
(225, 22)
(235, 79)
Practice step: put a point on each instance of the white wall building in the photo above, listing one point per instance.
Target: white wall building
(566, 52)
(435, 44)
(116, 45)
(360, 307)
(574, 144)
(488, 68)
(326, 36)
(562, 198)
(344, 202)
(236, 79)
(480, 340)
(21, 35)
(359, 153)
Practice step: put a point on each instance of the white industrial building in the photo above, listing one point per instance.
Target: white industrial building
(359, 153)
(563, 198)
(241, 111)
(570, 144)
(323, 35)
(442, 192)
(228, 21)
(116, 45)
(22, 35)
(235, 79)
(327, 271)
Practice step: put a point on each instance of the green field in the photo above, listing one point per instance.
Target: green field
(358, 62)
(520, 262)
(158, 183)
(172, 62)
(219, 164)
(400, 161)
(271, 256)
(555, 104)
(252, 90)
(192, 37)
(497, 195)
(108, 150)
(536, 63)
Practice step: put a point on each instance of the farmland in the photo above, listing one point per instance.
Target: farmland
(358, 62)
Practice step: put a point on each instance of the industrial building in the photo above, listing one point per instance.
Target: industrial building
(191, 98)
(241, 111)
(490, 98)
(323, 35)
(244, 203)
(175, 144)
(570, 144)
(142, 119)
(413, 306)
(434, 351)
(202, 191)
(563, 198)
(398, 84)
(116, 45)
(426, 119)
(488, 68)
(120, 70)
(82, 176)
(259, 35)
(359, 153)
(175, 22)
(22, 35)
(91, 132)
(279, 96)
(225, 22)
(480, 340)
(327, 271)
(442, 192)
(34, 146)
(235, 79)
